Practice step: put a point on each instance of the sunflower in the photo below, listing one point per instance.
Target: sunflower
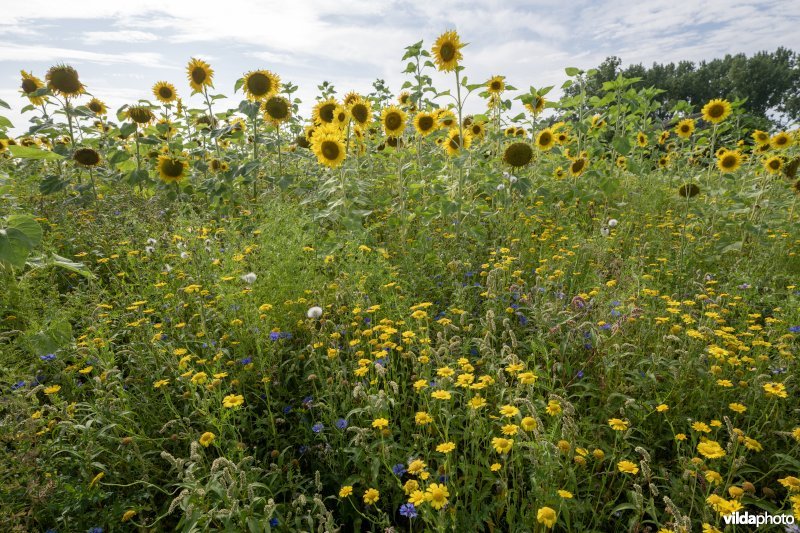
(351, 98)
(394, 120)
(685, 128)
(171, 169)
(689, 190)
(302, 141)
(578, 166)
(404, 98)
(86, 157)
(453, 144)
(761, 138)
(141, 114)
(165, 92)
(261, 84)
(716, 111)
(622, 162)
(341, 116)
(360, 110)
(323, 111)
(597, 122)
(641, 139)
(328, 145)
(510, 131)
(562, 137)
(30, 84)
(446, 118)
(447, 51)
(98, 107)
(277, 109)
(536, 105)
(518, 154)
(545, 139)
(729, 161)
(663, 137)
(520, 132)
(496, 84)
(477, 130)
(789, 170)
(238, 125)
(424, 123)
(780, 140)
(63, 80)
(663, 161)
(773, 164)
(558, 173)
(200, 74)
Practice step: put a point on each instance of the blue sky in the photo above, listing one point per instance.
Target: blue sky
(122, 48)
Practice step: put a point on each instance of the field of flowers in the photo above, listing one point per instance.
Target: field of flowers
(393, 316)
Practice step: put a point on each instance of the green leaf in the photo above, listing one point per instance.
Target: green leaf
(29, 152)
(18, 239)
(45, 261)
(5, 123)
(52, 184)
(572, 71)
(4, 104)
(48, 340)
(621, 145)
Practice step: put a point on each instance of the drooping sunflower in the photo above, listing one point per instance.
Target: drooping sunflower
(64, 80)
(165, 92)
(663, 137)
(545, 139)
(238, 125)
(453, 143)
(140, 114)
(200, 74)
(716, 111)
(773, 164)
(518, 154)
(447, 51)
(393, 120)
(578, 166)
(789, 169)
(761, 138)
(729, 161)
(689, 190)
(171, 169)
(277, 110)
(424, 123)
(641, 139)
(261, 84)
(30, 84)
(360, 110)
(477, 130)
(98, 107)
(328, 145)
(86, 157)
(496, 84)
(536, 105)
(685, 128)
(323, 111)
(780, 140)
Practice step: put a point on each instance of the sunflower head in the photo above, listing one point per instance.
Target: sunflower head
(86, 157)
(453, 143)
(622, 162)
(63, 80)
(141, 114)
(716, 111)
(790, 169)
(261, 84)
(171, 169)
(200, 74)
(536, 105)
(641, 139)
(277, 109)
(351, 98)
(404, 98)
(518, 154)
(97, 107)
(545, 139)
(520, 132)
(30, 84)
(165, 92)
(780, 140)
(341, 116)
(477, 130)
(447, 51)
(323, 111)
(393, 120)
(578, 166)
(773, 164)
(689, 190)
(663, 161)
(496, 84)
(685, 128)
(729, 161)
(761, 138)
(424, 123)
(328, 145)
(360, 110)
(446, 118)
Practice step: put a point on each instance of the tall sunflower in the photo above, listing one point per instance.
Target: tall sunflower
(545, 139)
(98, 107)
(446, 118)
(518, 154)
(477, 130)
(447, 51)
(773, 164)
(30, 84)
(360, 110)
(685, 128)
(496, 84)
(393, 120)
(729, 161)
(261, 84)
(141, 114)
(200, 74)
(424, 123)
(536, 105)
(780, 140)
(761, 138)
(64, 80)
(341, 116)
(641, 139)
(328, 145)
(323, 111)
(277, 110)
(86, 157)
(578, 166)
(351, 98)
(165, 92)
(171, 169)
(453, 143)
(716, 111)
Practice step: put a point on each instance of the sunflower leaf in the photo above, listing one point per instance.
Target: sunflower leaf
(4, 104)
(29, 152)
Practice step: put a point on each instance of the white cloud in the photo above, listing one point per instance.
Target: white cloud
(122, 36)
(17, 52)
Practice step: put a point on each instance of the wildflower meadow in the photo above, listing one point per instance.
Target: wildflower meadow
(574, 313)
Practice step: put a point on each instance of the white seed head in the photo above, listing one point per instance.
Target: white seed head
(249, 278)
(314, 312)
(612, 223)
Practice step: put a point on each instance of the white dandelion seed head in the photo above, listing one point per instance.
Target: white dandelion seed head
(604, 231)
(151, 241)
(314, 312)
(501, 186)
(249, 278)
(612, 222)
(149, 250)
(184, 255)
(512, 179)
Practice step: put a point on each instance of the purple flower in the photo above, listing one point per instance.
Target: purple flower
(317, 428)
(18, 385)
(341, 423)
(408, 510)
(794, 329)
(399, 469)
(273, 522)
(274, 336)
(579, 375)
(246, 361)
(48, 357)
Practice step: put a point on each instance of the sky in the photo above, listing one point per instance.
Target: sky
(121, 49)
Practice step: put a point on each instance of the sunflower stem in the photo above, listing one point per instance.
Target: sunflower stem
(460, 190)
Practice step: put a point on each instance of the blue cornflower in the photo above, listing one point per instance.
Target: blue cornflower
(307, 401)
(341, 423)
(605, 326)
(273, 522)
(317, 428)
(615, 312)
(246, 360)
(94, 530)
(408, 510)
(18, 385)
(523, 320)
(287, 409)
(48, 357)
(579, 375)
(274, 336)
(399, 469)
(794, 329)
(303, 449)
